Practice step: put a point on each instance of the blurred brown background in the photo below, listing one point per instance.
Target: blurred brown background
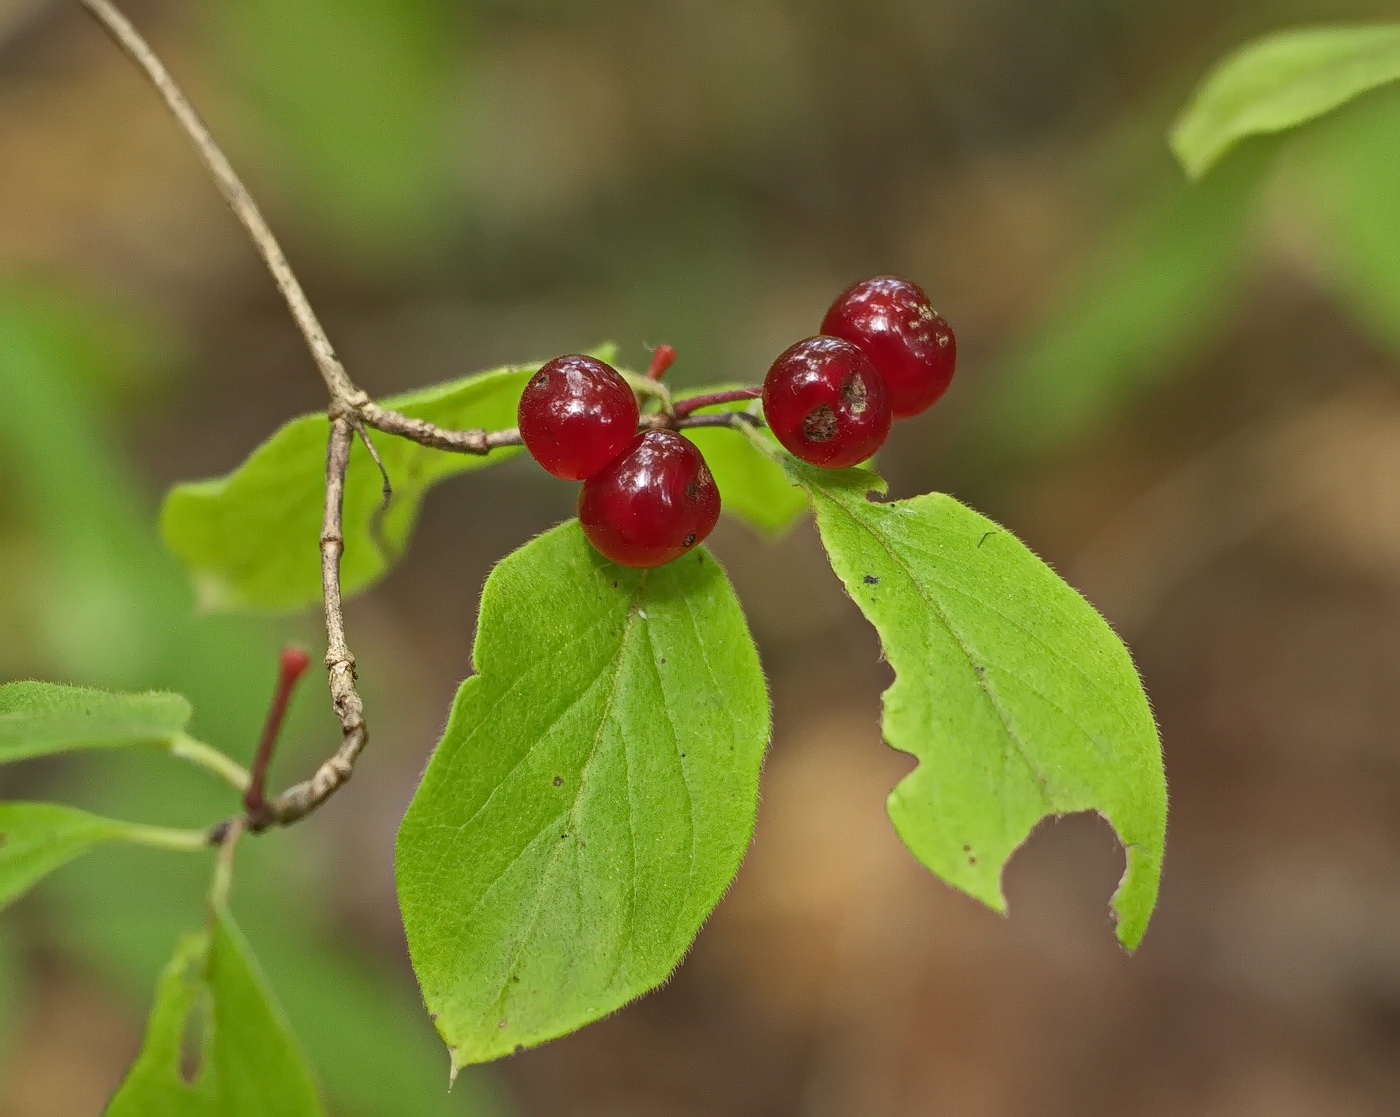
(1187, 399)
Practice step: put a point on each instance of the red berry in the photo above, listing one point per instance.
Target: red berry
(576, 415)
(826, 403)
(892, 322)
(652, 504)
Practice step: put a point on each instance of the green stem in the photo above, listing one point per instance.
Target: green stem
(208, 757)
(163, 837)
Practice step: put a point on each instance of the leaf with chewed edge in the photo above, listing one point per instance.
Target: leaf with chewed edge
(591, 798)
(1016, 697)
(248, 1062)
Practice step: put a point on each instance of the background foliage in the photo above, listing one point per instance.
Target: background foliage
(1183, 398)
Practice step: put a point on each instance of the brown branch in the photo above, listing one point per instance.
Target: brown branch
(346, 404)
(350, 411)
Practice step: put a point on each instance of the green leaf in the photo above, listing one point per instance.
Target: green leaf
(1280, 82)
(752, 486)
(1016, 697)
(37, 719)
(249, 539)
(1344, 184)
(248, 1062)
(591, 798)
(37, 838)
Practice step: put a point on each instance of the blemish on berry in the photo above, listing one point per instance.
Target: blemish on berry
(820, 425)
(558, 781)
(871, 580)
(856, 397)
(688, 541)
(692, 490)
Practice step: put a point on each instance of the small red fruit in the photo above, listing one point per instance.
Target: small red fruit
(651, 505)
(826, 403)
(576, 415)
(893, 323)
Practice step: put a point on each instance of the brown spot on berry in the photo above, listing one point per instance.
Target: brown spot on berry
(820, 425)
(689, 540)
(855, 395)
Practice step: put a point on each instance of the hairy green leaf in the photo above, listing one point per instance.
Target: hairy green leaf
(250, 538)
(1016, 697)
(37, 719)
(591, 798)
(247, 1061)
(37, 838)
(1280, 82)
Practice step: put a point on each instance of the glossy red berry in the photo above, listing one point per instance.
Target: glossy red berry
(892, 322)
(651, 505)
(576, 415)
(826, 403)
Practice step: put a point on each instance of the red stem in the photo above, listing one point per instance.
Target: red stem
(686, 406)
(662, 359)
(291, 667)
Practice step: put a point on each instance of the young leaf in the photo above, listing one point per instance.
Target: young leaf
(248, 1061)
(1014, 694)
(591, 798)
(752, 486)
(37, 838)
(249, 538)
(1280, 82)
(37, 719)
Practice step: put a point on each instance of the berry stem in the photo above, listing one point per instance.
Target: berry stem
(713, 399)
(662, 359)
(291, 666)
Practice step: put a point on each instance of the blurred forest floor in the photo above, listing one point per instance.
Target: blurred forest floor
(1187, 400)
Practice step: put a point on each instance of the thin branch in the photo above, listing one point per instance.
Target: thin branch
(298, 801)
(430, 434)
(343, 392)
(714, 399)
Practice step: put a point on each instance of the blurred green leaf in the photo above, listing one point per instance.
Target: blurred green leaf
(1347, 188)
(41, 718)
(1154, 289)
(357, 100)
(591, 798)
(248, 1062)
(37, 838)
(1016, 697)
(1280, 82)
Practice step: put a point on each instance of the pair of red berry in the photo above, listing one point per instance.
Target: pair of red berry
(647, 498)
(883, 354)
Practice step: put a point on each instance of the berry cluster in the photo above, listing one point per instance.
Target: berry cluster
(883, 354)
(648, 497)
